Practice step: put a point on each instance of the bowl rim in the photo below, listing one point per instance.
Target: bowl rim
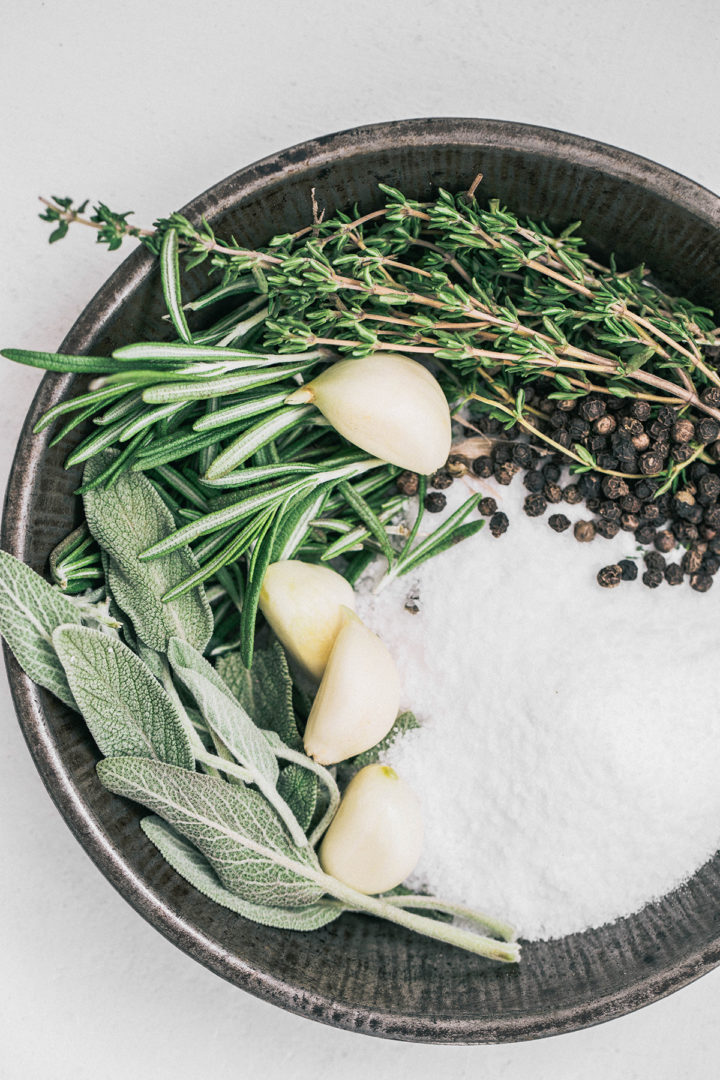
(98, 314)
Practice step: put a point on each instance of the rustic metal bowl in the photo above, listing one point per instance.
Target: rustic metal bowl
(360, 974)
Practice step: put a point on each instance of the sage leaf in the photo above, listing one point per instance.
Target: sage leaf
(183, 656)
(187, 861)
(232, 826)
(224, 714)
(265, 690)
(126, 710)
(30, 610)
(299, 789)
(125, 519)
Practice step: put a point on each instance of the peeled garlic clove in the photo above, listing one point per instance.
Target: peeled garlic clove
(303, 604)
(374, 840)
(388, 405)
(358, 699)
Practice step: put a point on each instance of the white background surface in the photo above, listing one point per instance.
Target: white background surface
(145, 104)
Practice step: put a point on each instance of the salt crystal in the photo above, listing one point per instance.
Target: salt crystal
(569, 752)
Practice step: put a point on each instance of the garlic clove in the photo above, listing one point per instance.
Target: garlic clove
(303, 604)
(358, 699)
(374, 841)
(388, 405)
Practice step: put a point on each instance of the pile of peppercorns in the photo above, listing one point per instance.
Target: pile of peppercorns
(627, 435)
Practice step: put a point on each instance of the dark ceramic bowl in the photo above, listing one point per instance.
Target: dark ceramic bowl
(360, 974)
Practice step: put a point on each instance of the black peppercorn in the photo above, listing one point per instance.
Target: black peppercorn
(572, 494)
(407, 483)
(499, 523)
(697, 469)
(645, 534)
(701, 582)
(592, 409)
(502, 453)
(590, 485)
(435, 501)
(707, 430)
(605, 425)
(584, 531)
(631, 504)
(651, 462)
(535, 505)
(606, 528)
(711, 517)
(709, 486)
(641, 410)
(457, 465)
(482, 466)
(553, 493)
(564, 439)
(610, 512)
(593, 505)
(559, 522)
(692, 560)
(684, 531)
(534, 481)
(551, 472)
(645, 489)
(487, 506)
(608, 461)
(652, 578)
(650, 511)
(614, 487)
(683, 430)
(641, 442)
(682, 452)
(631, 426)
(522, 455)
(666, 416)
(654, 560)
(673, 574)
(610, 576)
(711, 396)
(567, 405)
(597, 444)
(630, 522)
(504, 473)
(441, 479)
(629, 569)
(710, 565)
(664, 540)
(578, 429)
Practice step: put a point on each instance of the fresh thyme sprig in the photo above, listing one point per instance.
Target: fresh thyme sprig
(491, 301)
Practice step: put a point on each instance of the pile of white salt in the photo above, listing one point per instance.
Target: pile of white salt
(569, 753)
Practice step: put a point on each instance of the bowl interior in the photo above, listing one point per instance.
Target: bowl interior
(358, 973)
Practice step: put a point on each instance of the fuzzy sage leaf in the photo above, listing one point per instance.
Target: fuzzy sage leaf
(187, 861)
(126, 519)
(264, 690)
(125, 708)
(234, 827)
(30, 610)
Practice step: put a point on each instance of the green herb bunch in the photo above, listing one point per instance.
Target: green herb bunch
(237, 808)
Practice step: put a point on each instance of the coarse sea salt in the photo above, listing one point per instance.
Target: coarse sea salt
(569, 752)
